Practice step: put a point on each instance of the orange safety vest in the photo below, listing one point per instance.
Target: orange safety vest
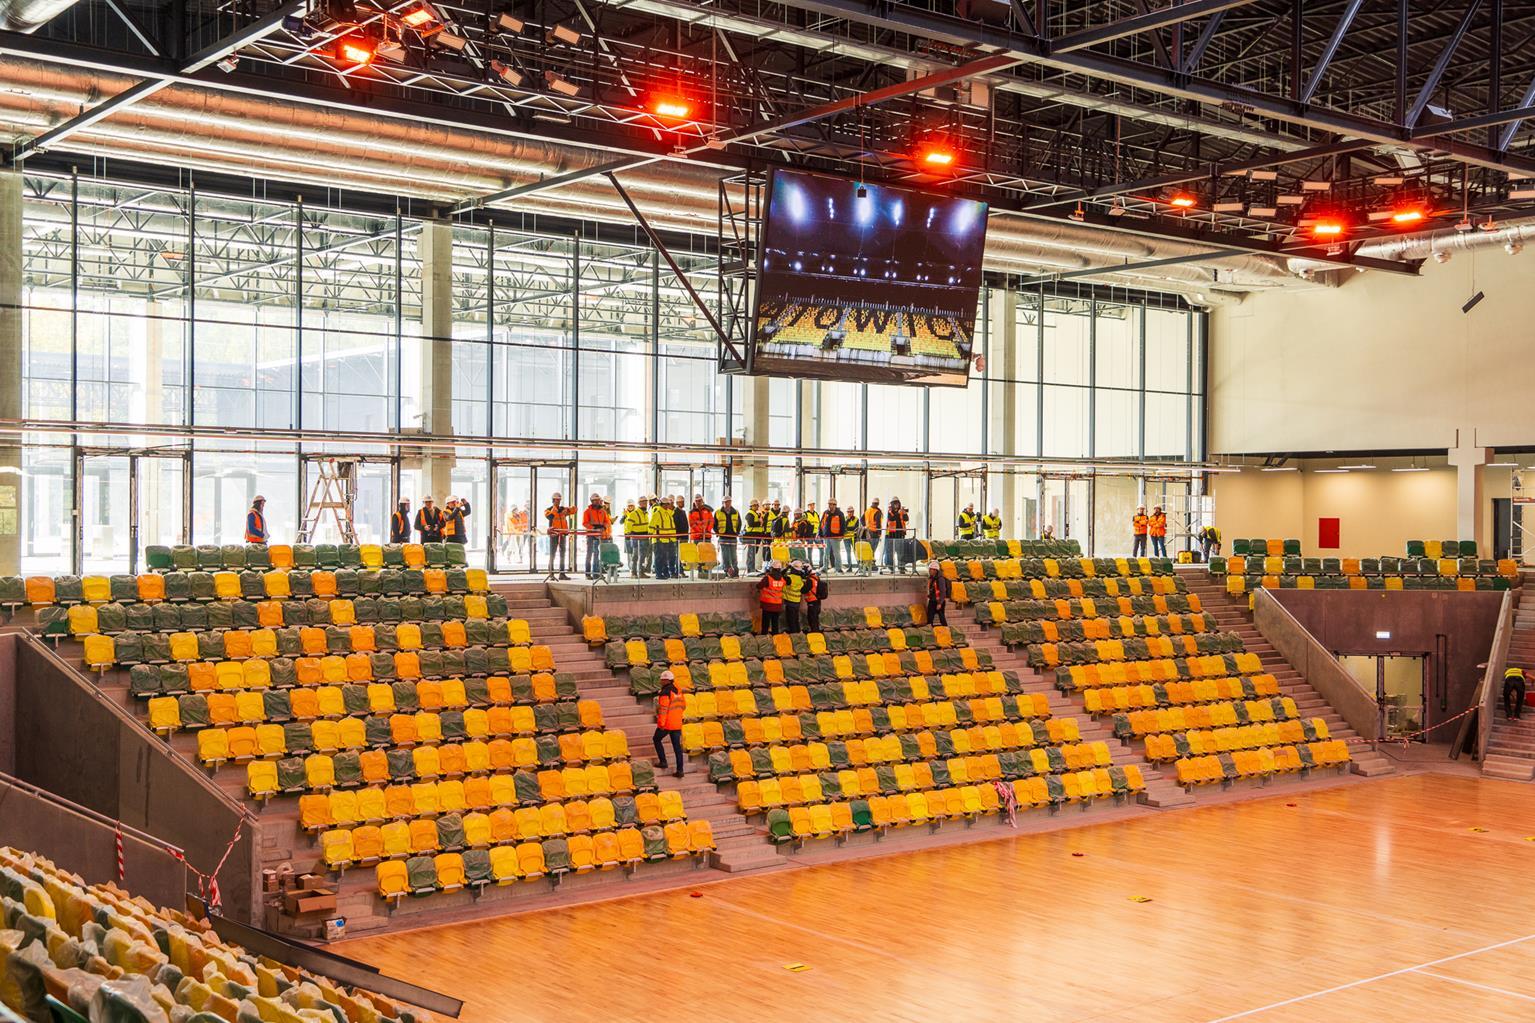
(771, 592)
(558, 518)
(1138, 525)
(595, 521)
(258, 520)
(452, 522)
(871, 520)
(669, 707)
(1159, 525)
(399, 525)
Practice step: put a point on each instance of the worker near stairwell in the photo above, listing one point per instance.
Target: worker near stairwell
(727, 526)
(939, 590)
(680, 527)
(1513, 692)
(399, 522)
(1156, 527)
(873, 526)
(1209, 542)
(812, 592)
(793, 595)
(834, 528)
(755, 534)
(969, 523)
(637, 537)
(558, 517)
(814, 518)
(770, 589)
(453, 528)
(1138, 527)
(663, 538)
(255, 521)
(597, 524)
(991, 525)
(700, 521)
(670, 703)
(429, 521)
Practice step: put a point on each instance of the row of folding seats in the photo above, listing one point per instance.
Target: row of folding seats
(1053, 655)
(529, 861)
(167, 714)
(130, 648)
(261, 672)
(1203, 715)
(689, 625)
(966, 802)
(964, 593)
(319, 771)
(216, 744)
(699, 736)
(628, 785)
(835, 755)
(1262, 547)
(480, 628)
(1115, 699)
(1236, 585)
(1207, 770)
(280, 555)
(1003, 569)
(754, 795)
(998, 612)
(1005, 548)
(1372, 567)
(272, 584)
(55, 920)
(825, 668)
(641, 652)
(1441, 548)
(726, 703)
(454, 831)
(1178, 745)
(1076, 630)
(1118, 673)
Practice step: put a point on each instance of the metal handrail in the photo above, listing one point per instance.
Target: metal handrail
(1497, 661)
(128, 830)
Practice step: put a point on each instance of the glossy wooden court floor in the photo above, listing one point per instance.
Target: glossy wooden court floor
(1372, 901)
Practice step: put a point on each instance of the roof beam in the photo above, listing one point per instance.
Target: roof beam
(1333, 42)
(203, 59)
(945, 76)
(1150, 21)
(1507, 138)
(1512, 118)
(1440, 65)
(1197, 51)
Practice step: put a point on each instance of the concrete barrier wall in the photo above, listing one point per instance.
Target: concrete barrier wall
(79, 841)
(75, 742)
(1316, 665)
(652, 598)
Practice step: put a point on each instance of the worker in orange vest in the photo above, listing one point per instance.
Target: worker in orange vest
(453, 528)
(1157, 527)
(558, 517)
(399, 522)
(597, 524)
(770, 589)
(670, 703)
(255, 521)
(1138, 527)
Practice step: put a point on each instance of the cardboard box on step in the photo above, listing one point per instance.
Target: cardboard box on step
(314, 900)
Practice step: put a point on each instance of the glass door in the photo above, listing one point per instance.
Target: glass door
(1065, 506)
(521, 491)
(845, 485)
(128, 501)
(690, 481)
(949, 492)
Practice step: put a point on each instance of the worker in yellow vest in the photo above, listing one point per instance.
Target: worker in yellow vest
(968, 523)
(637, 537)
(991, 525)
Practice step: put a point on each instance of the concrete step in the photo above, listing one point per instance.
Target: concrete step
(1497, 765)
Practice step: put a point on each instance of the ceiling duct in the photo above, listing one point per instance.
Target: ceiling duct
(27, 16)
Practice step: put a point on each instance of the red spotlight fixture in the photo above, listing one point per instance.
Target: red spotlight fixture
(355, 51)
(419, 16)
(672, 107)
(1406, 217)
(938, 156)
(1182, 200)
(1327, 227)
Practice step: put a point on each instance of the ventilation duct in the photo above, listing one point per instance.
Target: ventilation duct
(27, 16)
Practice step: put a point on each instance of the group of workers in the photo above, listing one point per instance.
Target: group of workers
(1154, 526)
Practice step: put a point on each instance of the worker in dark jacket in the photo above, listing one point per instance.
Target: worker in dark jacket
(429, 521)
(834, 529)
(897, 552)
(399, 523)
(939, 590)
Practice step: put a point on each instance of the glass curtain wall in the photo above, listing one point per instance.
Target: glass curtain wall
(154, 308)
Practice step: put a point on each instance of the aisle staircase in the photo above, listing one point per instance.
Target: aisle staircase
(1233, 615)
(739, 845)
(1511, 749)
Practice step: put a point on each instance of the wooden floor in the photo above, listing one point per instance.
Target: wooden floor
(1376, 901)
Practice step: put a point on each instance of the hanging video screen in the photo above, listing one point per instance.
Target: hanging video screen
(866, 282)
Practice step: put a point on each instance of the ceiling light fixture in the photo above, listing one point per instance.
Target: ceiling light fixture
(558, 83)
(670, 106)
(1361, 465)
(509, 24)
(1182, 200)
(563, 34)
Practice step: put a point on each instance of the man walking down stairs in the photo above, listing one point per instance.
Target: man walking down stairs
(1511, 750)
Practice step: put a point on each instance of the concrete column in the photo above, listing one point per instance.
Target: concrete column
(754, 412)
(1469, 461)
(10, 370)
(436, 253)
(1002, 354)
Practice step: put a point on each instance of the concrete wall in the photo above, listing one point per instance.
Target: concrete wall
(1379, 510)
(80, 843)
(721, 595)
(1345, 622)
(1383, 362)
(74, 742)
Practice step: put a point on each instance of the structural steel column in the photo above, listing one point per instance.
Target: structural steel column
(1002, 406)
(436, 254)
(10, 370)
(754, 412)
